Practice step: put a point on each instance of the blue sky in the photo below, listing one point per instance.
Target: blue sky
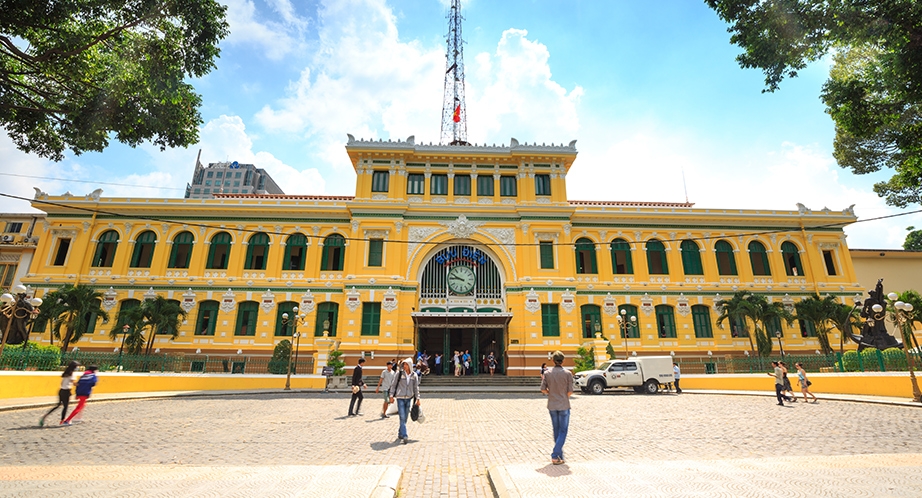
(650, 90)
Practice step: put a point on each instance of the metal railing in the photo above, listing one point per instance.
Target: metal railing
(31, 359)
(869, 360)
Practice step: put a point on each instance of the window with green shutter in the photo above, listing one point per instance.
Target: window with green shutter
(592, 319)
(105, 249)
(791, 256)
(257, 252)
(485, 185)
(181, 252)
(375, 252)
(585, 256)
(295, 252)
(547, 254)
(656, 258)
(807, 328)
(738, 326)
(550, 321)
(701, 318)
(416, 184)
(334, 251)
(726, 261)
(621, 262)
(438, 185)
(691, 258)
(207, 318)
(326, 312)
(462, 184)
(371, 318)
(283, 329)
(633, 332)
(143, 252)
(379, 181)
(758, 257)
(219, 251)
(508, 186)
(247, 313)
(542, 184)
(665, 321)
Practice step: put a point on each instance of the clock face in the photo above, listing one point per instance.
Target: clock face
(461, 280)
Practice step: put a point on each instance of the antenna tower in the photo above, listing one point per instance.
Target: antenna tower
(454, 112)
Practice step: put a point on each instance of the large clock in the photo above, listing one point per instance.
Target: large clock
(461, 280)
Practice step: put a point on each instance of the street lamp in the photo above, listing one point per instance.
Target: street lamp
(125, 330)
(13, 309)
(297, 337)
(901, 316)
(597, 328)
(780, 346)
(626, 325)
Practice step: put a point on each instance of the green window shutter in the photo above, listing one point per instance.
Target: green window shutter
(295, 252)
(630, 311)
(726, 261)
(550, 321)
(656, 258)
(701, 317)
(371, 318)
(207, 318)
(375, 252)
(333, 253)
(283, 329)
(791, 256)
(542, 184)
(621, 261)
(416, 184)
(326, 311)
(585, 256)
(665, 321)
(438, 185)
(508, 186)
(105, 249)
(758, 259)
(547, 255)
(181, 252)
(247, 313)
(257, 250)
(691, 258)
(379, 181)
(807, 328)
(462, 185)
(592, 315)
(219, 252)
(485, 185)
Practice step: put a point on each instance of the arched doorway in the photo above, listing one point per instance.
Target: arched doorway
(462, 307)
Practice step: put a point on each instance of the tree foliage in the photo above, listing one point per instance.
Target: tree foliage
(158, 316)
(913, 240)
(584, 360)
(75, 73)
(822, 312)
(874, 91)
(72, 311)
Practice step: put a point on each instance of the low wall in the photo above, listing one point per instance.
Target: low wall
(14, 384)
(893, 384)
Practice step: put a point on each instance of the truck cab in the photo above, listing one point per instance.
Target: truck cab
(643, 374)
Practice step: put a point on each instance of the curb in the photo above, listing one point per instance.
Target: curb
(502, 483)
(389, 482)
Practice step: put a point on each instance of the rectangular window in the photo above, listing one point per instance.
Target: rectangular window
(7, 273)
(60, 256)
(210, 174)
(542, 184)
(830, 260)
(462, 184)
(246, 318)
(416, 184)
(701, 318)
(208, 182)
(438, 185)
(485, 185)
(379, 181)
(13, 227)
(547, 255)
(197, 191)
(375, 252)
(508, 186)
(371, 318)
(236, 184)
(550, 321)
(207, 316)
(219, 174)
(807, 329)
(237, 175)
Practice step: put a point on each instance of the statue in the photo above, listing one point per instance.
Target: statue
(17, 312)
(874, 332)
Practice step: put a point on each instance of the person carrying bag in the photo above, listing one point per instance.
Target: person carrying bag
(405, 392)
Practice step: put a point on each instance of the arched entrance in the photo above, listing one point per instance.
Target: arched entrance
(462, 307)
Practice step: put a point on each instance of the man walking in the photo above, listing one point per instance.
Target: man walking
(557, 384)
(357, 385)
(387, 378)
(779, 382)
(678, 375)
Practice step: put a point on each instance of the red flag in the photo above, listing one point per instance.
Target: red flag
(457, 115)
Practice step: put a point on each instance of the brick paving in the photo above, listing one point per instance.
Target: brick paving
(464, 435)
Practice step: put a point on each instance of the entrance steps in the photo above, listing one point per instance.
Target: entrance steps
(479, 383)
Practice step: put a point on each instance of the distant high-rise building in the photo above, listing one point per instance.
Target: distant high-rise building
(229, 178)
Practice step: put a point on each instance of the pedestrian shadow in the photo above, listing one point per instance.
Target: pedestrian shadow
(385, 445)
(344, 417)
(552, 470)
(36, 427)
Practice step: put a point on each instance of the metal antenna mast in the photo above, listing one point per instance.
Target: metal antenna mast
(454, 112)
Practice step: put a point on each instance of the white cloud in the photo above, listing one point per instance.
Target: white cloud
(277, 39)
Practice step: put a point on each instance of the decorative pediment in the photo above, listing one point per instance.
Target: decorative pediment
(682, 307)
(228, 301)
(188, 301)
(109, 299)
(646, 304)
(307, 302)
(353, 300)
(462, 227)
(150, 295)
(268, 301)
(610, 305)
(389, 302)
(532, 303)
(568, 301)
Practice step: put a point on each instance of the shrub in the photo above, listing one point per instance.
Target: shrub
(335, 361)
(585, 360)
(894, 359)
(850, 361)
(870, 360)
(280, 357)
(32, 355)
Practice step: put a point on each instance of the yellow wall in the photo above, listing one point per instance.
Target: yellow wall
(892, 384)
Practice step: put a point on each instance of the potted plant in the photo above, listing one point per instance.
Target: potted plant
(339, 380)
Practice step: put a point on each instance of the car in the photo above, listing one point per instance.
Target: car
(644, 374)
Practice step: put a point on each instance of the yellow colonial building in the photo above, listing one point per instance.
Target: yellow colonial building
(443, 248)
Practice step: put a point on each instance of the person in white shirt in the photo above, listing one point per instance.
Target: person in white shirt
(385, 381)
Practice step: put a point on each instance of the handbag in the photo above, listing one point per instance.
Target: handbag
(414, 411)
(809, 383)
(356, 389)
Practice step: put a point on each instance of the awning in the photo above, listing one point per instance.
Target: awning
(461, 320)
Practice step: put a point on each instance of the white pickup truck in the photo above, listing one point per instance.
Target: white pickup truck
(644, 373)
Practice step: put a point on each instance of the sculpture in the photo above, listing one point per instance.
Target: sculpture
(15, 316)
(874, 332)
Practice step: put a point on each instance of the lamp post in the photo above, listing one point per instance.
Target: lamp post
(626, 325)
(780, 346)
(12, 309)
(294, 335)
(597, 328)
(901, 316)
(125, 330)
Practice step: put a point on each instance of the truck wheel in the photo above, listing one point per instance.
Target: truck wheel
(651, 386)
(585, 390)
(597, 387)
(638, 389)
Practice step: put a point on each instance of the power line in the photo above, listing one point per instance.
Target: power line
(420, 242)
(91, 181)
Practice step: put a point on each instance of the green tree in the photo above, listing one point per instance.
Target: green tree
(73, 309)
(585, 359)
(75, 73)
(158, 316)
(915, 299)
(737, 308)
(845, 318)
(913, 240)
(134, 337)
(821, 311)
(280, 357)
(766, 313)
(336, 361)
(874, 90)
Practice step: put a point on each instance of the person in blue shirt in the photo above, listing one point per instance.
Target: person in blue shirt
(84, 389)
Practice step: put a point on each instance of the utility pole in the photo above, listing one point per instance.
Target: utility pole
(454, 111)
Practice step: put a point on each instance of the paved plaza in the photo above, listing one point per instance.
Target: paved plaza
(619, 444)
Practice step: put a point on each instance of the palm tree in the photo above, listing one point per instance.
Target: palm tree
(820, 311)
(133, 317)
(766, 313)
(157, 316)
(73, 308)
(912, 297)
(737, 308)
(845, 318)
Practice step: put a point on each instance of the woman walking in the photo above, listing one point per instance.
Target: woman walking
(67, 381)
(787, 383)
(457, 361)
(405, 391)
(491, 362)
(804, 382)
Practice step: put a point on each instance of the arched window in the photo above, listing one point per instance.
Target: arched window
(105, 249)
(759, 259)
(207, 318)
(143, 250)
(326, 312)
(295, 252)
(257, 250)
(181, 253)
(629, 311)
(334, 252)
(585, 256)
(621, 263)
(592, 319)
(665, 321)
(283, 329)
(247, 313)
(691, 258)
(739, 327)
(791, 257)
(656, 258)
(726, 262)
(124, 312)
(219, 251)
(807, 328)
(701, 317)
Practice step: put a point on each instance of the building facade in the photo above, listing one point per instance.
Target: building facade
(19, 234)
(229, 177)
(445, 248)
